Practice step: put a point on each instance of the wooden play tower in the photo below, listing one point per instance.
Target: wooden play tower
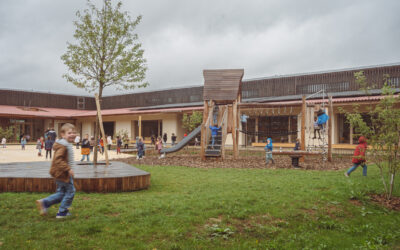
(222, 94)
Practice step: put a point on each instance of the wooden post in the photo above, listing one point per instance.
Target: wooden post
(303, 126)
(101, 127)
(140, 127)
(234, 130)
(256, 129)
(289, 130)
(330, 130)
(351, 134)
(203, 132)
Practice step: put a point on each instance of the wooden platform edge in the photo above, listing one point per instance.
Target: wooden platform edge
(89, 185)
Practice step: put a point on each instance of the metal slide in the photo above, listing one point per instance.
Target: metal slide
(182, 143)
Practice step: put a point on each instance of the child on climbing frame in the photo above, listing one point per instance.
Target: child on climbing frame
(268, 152)
(61, 170)
(359, 157)
(316, 128)
(214, 133)
(322, 119)
(297, 145)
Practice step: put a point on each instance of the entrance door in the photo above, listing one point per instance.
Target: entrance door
(109, 128)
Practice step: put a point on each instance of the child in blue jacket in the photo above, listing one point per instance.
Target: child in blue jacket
(214, 133)
(322, 119)
(268, 152)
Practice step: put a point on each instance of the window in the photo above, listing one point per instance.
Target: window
(249, 93)
(394, 82)
(195, 98)
(329, 87)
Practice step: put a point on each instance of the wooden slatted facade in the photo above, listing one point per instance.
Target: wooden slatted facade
(335, 81)
(44, 100)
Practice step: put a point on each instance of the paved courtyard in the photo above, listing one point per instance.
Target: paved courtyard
(13, 153)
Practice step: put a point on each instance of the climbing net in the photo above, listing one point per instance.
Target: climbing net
(317, 135)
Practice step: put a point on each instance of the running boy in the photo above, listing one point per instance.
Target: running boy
(359, 157)
(61, 170)
(268, 152)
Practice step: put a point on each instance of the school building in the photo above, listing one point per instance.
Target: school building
(159, 112)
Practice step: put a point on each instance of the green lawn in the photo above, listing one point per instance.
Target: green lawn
(188, 208)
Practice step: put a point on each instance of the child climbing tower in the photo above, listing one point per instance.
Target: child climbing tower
(222, 93)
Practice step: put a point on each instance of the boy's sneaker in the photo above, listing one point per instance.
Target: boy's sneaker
(41, 207)
(61, 215)
(346, 174)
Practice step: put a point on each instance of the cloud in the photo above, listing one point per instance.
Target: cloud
(181, 38)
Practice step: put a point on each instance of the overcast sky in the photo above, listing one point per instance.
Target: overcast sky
(183, 37)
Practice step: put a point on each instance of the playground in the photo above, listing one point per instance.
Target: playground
(188, 208)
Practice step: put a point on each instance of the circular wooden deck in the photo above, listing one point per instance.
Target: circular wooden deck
(35, 177)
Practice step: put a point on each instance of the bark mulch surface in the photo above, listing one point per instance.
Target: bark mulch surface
(257, 162)
(392, 204)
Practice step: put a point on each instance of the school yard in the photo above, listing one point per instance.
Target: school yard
(213, 208)
(13, 153)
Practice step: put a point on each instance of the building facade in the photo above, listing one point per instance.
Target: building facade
(158, 112)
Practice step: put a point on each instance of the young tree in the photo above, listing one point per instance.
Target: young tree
(383, 134)
(106, 52)
(190, 122)
(7, 133)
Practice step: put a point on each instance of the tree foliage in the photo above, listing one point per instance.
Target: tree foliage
(383, 134)
(7, 133)
(106, 52)
(190, 122)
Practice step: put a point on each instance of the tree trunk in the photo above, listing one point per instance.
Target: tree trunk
(391, 185)
(96, 136)
(97, 128)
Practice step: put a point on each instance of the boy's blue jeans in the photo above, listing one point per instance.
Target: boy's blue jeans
(83, 157)
(213, 140)
(268, 157)
(354, 167)
(65, 194)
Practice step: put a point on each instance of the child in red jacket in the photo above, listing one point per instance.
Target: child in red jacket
(359, 157)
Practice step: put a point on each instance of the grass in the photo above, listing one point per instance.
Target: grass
(188, 208)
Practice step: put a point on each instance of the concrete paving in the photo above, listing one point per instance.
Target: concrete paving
(13, 153)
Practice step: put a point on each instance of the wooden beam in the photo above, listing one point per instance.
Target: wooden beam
(266, 105)
(203, 142)
(101, 127)
(303, 126)
(330, 129)
(256, 128)
(234, 130)
(140, 126)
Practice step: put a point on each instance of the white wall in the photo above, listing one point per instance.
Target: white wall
(170, 125)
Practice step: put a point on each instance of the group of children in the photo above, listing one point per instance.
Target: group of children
(141, 148)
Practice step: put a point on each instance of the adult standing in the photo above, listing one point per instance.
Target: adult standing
(109, 142)
(77, 140)
(52, 134)
(85, 149)
(165, 138)
(173, 139)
